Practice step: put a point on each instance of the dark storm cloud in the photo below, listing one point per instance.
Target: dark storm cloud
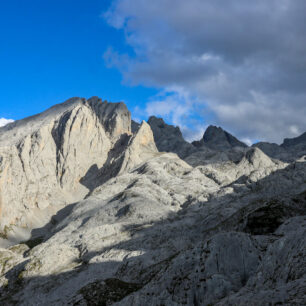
(244, 60)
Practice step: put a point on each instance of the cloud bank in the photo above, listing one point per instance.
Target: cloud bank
(241, 62)
(4, 121)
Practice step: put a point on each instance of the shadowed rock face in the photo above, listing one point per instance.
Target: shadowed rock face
(107, 292)
(168, 138)
(218, 139)
(134, 226)
(271, 149)
(267, 219)
(290, 150)
(216, 144)
(216, 135)
(289, 142)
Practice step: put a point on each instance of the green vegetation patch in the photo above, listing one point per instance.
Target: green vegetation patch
(5, 231)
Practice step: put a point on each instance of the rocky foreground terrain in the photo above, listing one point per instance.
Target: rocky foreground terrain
(96, 209)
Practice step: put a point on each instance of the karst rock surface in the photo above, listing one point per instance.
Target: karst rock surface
(115, 220)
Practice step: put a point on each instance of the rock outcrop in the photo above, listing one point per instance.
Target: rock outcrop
(224, 226)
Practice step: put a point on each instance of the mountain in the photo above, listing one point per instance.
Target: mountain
(56, 157)
(98, 210)
(169, 138)
(290, 142)
(290, 150)
(216, 138)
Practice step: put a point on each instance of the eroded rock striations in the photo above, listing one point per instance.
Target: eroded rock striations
(209, 223)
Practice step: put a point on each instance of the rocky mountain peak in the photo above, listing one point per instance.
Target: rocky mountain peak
(160, 127)
(115, 117)
(217, 137)
(213, 132)
(289, 142)
(169, 138)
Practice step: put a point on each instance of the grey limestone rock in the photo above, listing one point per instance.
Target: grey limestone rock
(117, 221)
(44, 157)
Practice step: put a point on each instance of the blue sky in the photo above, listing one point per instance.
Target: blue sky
(236, 64)
(52, 50)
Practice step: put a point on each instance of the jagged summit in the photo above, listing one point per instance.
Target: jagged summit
(215, 135)
(217, 138)
(161, 127)
(169, 138)
(115, 117)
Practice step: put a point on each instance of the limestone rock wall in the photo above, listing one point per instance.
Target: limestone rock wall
(43, 158)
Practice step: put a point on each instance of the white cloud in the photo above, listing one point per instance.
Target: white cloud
(294, 130)
(248, 141)
(4, 121)
(176, 106)
(243, 61)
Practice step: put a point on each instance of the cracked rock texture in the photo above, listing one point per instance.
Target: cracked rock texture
(115, 220)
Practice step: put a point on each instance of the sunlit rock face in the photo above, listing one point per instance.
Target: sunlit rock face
(44, 158)
(131, 214)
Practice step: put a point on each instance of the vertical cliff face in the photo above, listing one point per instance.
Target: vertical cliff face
(44, 158)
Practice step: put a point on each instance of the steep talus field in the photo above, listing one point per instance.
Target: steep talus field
(121, 213)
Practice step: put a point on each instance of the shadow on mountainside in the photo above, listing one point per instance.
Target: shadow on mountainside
(259, 216)
(39, 235)
(96, 177)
